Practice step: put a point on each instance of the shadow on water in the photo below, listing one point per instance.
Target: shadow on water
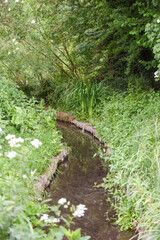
(76, 182)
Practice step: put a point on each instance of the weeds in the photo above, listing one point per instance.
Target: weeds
(130, 125)
(28, 140)
(83, 97)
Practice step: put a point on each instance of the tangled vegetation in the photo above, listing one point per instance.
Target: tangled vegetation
(101, 61)
(130, 125)
(28, 140)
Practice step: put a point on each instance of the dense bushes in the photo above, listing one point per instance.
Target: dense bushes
(117, 41)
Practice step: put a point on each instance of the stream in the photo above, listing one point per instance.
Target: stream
(77, 180)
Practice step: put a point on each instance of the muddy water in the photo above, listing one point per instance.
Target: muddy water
(76, 182)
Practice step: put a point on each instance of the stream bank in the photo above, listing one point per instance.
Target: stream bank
(79, 181)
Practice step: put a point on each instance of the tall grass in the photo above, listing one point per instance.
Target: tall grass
(19, 208)
(130, 125)
(82, 96)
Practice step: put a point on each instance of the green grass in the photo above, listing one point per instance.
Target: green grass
(130, 124)
(19, 208)
(81, 97)
(22, 162)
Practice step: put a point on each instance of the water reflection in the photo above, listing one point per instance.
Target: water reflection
(76, 182)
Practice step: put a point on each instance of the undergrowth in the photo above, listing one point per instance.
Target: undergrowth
(82, 97)
(28, 141)
(131, 127)
(129, 123)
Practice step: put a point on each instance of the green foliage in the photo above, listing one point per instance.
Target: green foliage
(44, 45)
(109, 37)
(33, 47)
(28, 140)
(83, 97)
(27, 121)
(152, 32)
(74, 235)
(130, 125)
(25, 114)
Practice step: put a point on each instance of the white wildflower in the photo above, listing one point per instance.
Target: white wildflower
(9, 53)
(19, 139)
(9, 9)
(65, 206)
(44, 217)
(13, 142)
(158, 20)
(39, 199)
(33, 172)
(17, 48)
(1, 131)
(1, 154)
(33, 21)
(10, 136)
(24, 176)
(82, 206)
(16, 0)
(78, 213)
(61, 201)
(156, 74)
(80, 210)
(6, 1)
(14, 41)
(36, 143)
(11, 154)
(0, 147)
(54, 220)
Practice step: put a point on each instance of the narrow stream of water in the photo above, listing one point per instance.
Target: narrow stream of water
(76, 182)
